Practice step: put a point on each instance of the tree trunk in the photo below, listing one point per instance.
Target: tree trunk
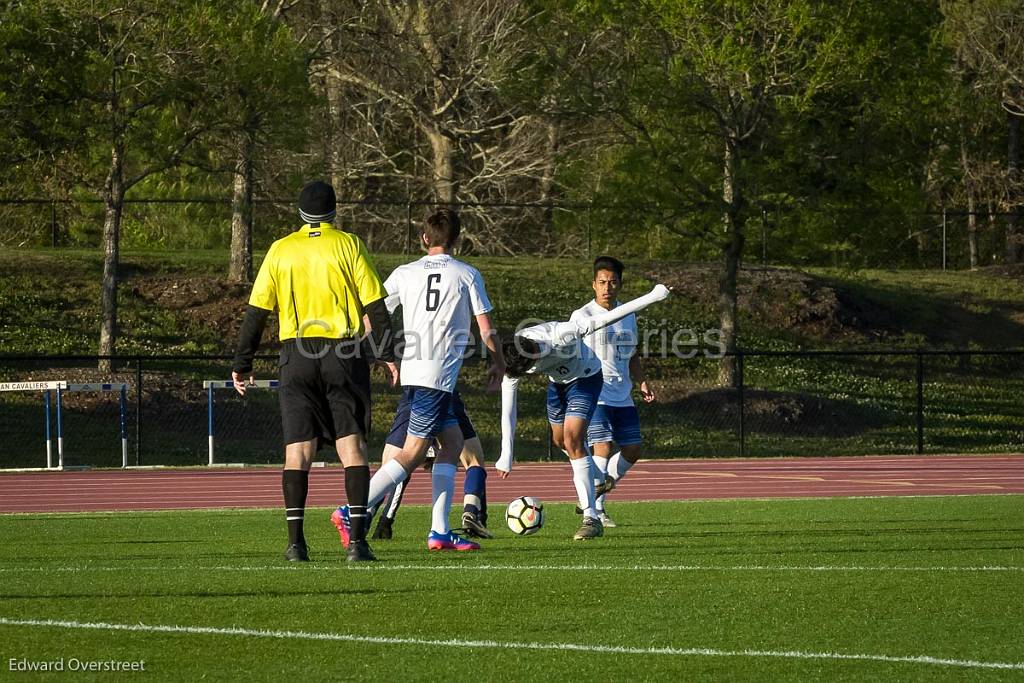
(335, 103)
(113, 200)
(443, 170)
(732, 251)
(333, 145)
(547, 181)
(240, 268)
(442, 146)
(1014, 240)
(972, 230)
(972, 219)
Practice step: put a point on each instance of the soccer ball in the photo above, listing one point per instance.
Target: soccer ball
(525, 515)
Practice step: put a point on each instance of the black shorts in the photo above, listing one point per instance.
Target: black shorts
(325, 390)
(400, 427)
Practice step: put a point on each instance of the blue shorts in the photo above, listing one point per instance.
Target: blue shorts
(620, 424)
(578, 398)
(400, 426)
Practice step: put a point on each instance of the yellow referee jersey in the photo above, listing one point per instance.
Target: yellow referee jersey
(319, 279)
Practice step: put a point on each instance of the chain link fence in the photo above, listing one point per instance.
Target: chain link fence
(785, 404)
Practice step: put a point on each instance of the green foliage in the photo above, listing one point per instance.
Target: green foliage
(850, 117)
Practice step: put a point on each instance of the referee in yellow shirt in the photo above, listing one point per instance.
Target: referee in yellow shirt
(321, 282)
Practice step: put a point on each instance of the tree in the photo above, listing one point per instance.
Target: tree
(966, 170)
(705, 85)
(259, 96)
(136, 104)
(43, 131)
(424, 84)
(988, 36)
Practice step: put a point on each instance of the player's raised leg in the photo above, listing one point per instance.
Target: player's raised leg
(474, 502)
(390, 506)
(601, 446)
(621, 462)
(611, 426)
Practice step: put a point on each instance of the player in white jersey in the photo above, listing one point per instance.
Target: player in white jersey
(575, 382)
(439, 296)
(616, 420)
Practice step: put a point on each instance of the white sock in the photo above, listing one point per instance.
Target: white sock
(618, 466)
(601, 467)
(384, 481)
(442, 479)
(584, 485)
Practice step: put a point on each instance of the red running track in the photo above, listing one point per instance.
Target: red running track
(550, 482)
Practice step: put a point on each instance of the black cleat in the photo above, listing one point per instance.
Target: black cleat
(359, 551)
(472, 525)
(607, 487)
(383, 530)
(297, 553)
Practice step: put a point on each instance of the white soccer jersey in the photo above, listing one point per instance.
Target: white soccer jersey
(564, 358)
(439, 297)
(614, 345)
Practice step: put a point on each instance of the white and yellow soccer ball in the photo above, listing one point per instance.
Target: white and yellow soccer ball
(525, 515)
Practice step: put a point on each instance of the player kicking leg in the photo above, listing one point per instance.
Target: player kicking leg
(575, 384)
(474, 515)
(616, 420)
(439, 296)
(613, 426)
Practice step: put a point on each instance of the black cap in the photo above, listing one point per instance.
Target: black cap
(317, 203)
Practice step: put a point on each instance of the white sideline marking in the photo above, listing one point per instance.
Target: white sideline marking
(517, 567)
(508, 645)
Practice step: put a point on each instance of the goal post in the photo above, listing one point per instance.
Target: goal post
(213, 385)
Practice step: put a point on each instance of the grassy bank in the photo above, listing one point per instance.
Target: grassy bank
(178, 303)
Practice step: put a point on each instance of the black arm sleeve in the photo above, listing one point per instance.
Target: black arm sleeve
(249, 338)
(382, 338)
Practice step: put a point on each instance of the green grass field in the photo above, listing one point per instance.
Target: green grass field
(815, 589)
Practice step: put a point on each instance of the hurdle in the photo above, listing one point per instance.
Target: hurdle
(212, 385)
(46, 388)
(104, 387)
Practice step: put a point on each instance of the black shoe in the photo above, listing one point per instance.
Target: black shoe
(383, 530)
(472, 525)
(297, 553)
(359, 551)
(607, 487)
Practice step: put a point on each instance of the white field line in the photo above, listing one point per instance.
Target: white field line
(508, 645)
(517, 567)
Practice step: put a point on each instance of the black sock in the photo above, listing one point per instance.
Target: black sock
(357, 489)
(295, 484)
(483, 506)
